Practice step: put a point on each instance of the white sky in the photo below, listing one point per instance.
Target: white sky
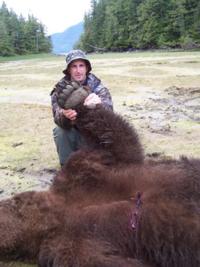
(55, 15)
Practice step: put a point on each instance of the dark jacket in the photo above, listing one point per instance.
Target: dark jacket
(96, 87)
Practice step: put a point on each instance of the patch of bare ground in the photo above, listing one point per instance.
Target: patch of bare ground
(169, 123)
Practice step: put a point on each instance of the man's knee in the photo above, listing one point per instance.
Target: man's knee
(67, 141)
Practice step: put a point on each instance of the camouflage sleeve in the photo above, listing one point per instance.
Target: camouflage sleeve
(59, 118)
(105, 96)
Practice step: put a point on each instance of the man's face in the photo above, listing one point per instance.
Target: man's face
(78, 70)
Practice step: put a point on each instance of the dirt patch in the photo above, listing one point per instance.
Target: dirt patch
(16, 181)
(168, 121)
(173, 105)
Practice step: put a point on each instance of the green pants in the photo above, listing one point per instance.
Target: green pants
(67, 141)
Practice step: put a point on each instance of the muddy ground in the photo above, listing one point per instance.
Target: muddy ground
(158, 92)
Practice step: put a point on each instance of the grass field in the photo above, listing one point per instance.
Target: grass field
(158, 92)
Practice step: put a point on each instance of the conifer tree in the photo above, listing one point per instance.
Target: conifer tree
(20, 36)
(118, 25)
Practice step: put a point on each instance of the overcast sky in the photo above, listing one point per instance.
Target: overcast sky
(56, 15)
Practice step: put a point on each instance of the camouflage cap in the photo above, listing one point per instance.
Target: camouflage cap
(74, 55)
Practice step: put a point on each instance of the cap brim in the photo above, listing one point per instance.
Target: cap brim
(65, 71)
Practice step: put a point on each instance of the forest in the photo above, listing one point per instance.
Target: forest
(111, 25)
(19, 36)
(123, 25)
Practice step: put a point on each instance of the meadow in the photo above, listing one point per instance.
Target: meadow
(158, 92)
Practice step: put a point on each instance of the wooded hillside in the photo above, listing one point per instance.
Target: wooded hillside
(118, 25)
(20, 36)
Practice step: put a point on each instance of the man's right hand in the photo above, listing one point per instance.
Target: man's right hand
(70, 114)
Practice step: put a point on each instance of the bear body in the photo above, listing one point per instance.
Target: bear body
(108, 206)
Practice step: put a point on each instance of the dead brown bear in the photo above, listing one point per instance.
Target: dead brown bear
(108, 207)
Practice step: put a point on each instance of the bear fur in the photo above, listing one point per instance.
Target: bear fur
(108, 206)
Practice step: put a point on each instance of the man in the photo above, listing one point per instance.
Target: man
(67, 137)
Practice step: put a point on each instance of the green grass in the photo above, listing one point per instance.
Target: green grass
(107, 55)
(142, 54)
(25, 57)
(26, 132)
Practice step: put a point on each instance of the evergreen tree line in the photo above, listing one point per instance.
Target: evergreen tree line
(20, 36)
(118, 25)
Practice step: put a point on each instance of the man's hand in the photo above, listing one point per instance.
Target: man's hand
(70, 114)
(92, 100)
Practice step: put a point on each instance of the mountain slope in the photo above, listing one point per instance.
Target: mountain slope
(64, 41)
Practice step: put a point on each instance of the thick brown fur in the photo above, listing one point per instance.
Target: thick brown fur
(108, 207)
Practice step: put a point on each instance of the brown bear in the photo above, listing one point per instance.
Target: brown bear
(108, 207)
